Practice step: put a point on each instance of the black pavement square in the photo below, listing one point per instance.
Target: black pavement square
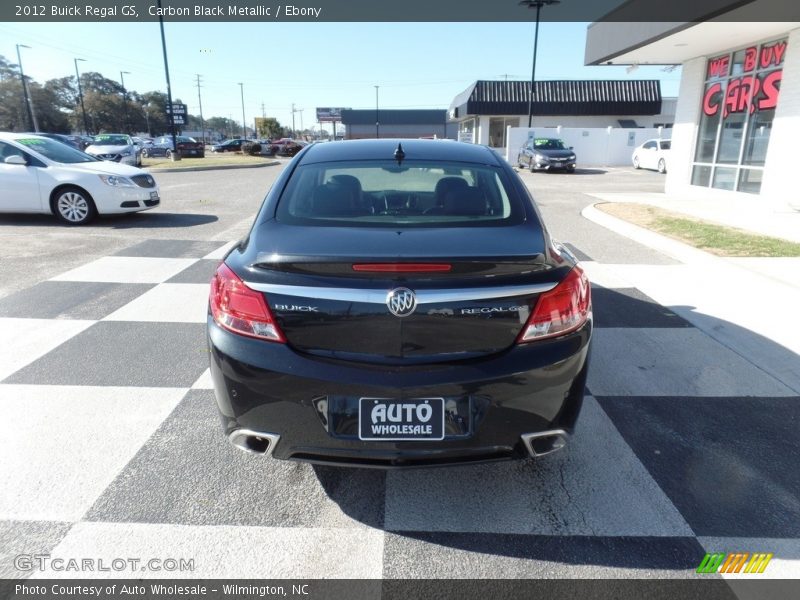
(27, 538)
(170, 249)
(188, 473)
(124, 353)
(491, 555)
(70, 300)
(199, 272)
(729, 465)
(579, 254)
(628, 307)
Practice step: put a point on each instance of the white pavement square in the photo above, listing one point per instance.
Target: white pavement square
(204, 382)
(229, 552)
(168, 302)
(219, 253)
(25, 340)
(127, 269)
(71, 443)
(596, 487)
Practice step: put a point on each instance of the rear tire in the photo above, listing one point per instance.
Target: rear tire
(73, 206)
(662, 166)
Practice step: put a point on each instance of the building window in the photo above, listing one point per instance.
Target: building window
(738, 106)
(497, 130)
(466, 131)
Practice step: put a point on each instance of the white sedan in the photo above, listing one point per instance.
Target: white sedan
(653, 154)
(40, 175)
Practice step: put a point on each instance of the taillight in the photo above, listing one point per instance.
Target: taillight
(239, 309)
(563, 309)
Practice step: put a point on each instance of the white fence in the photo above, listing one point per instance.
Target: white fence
(594, 147)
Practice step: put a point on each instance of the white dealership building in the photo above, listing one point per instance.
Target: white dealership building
(736, 130)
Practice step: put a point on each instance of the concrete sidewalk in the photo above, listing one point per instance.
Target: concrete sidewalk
(757, 215)
(745, 304)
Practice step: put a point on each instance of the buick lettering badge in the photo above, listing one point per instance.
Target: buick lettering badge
(401, 302)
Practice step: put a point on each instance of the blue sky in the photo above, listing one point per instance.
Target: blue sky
(416, 65)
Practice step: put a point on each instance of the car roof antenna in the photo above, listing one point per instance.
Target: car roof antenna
(399, 155)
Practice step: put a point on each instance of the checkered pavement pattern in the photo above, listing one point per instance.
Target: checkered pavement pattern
(111, 447)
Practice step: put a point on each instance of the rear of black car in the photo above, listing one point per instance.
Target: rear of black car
(399, 305)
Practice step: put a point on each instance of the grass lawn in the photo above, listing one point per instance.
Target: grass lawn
(210, 160)
(711, 237)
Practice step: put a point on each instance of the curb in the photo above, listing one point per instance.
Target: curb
(271, 163)
(672, 248)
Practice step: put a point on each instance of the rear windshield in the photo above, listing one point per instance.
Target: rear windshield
(382, 193)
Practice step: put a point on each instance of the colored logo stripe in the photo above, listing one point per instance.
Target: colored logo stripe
(735, 562)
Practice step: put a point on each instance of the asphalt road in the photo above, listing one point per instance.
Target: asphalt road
(111, 443)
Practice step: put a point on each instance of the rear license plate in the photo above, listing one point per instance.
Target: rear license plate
(387, 420)
(153, 195)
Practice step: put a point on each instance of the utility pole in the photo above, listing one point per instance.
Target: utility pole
(124, 100)
(244, 123)
(293, 111)
(80, 95)
(176, 155)
(377, 115)
(28, 100)
(202, 122)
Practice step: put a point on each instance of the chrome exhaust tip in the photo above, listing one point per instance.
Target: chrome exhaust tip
(254, 442)
(544, 442)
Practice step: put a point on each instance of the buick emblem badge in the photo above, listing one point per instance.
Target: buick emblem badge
(401, 302)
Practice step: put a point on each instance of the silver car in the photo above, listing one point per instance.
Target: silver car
(117, 147)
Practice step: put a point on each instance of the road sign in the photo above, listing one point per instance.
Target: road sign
(177, 109)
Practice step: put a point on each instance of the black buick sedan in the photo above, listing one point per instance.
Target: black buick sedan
(399, 304)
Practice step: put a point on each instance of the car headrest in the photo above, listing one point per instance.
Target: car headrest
(464, 203)
(448, 184)
(331, 201)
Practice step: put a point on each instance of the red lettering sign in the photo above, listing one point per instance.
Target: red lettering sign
(740, 95)
(711, 100)
(771, 88)
(750, 58)
(772, 55)
(718, 67)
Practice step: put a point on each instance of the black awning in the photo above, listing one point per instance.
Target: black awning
(561, 98)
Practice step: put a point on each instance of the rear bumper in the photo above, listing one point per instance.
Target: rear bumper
(311, 403)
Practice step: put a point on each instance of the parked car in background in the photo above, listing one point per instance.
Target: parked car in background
(387, 294)
(116, 147)
(41, 175)
(188, 146)
(232, 145)
(70, 140)
(653, 154)
(546, 154)
(286, 147)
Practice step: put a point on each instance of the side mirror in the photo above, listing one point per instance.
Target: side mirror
(572, 147)
(16, 159)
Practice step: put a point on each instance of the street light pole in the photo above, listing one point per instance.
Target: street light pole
(538, 4)
(377, 114)
(244, 131)
(124, 100)
(80, 95)
(28, 100)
